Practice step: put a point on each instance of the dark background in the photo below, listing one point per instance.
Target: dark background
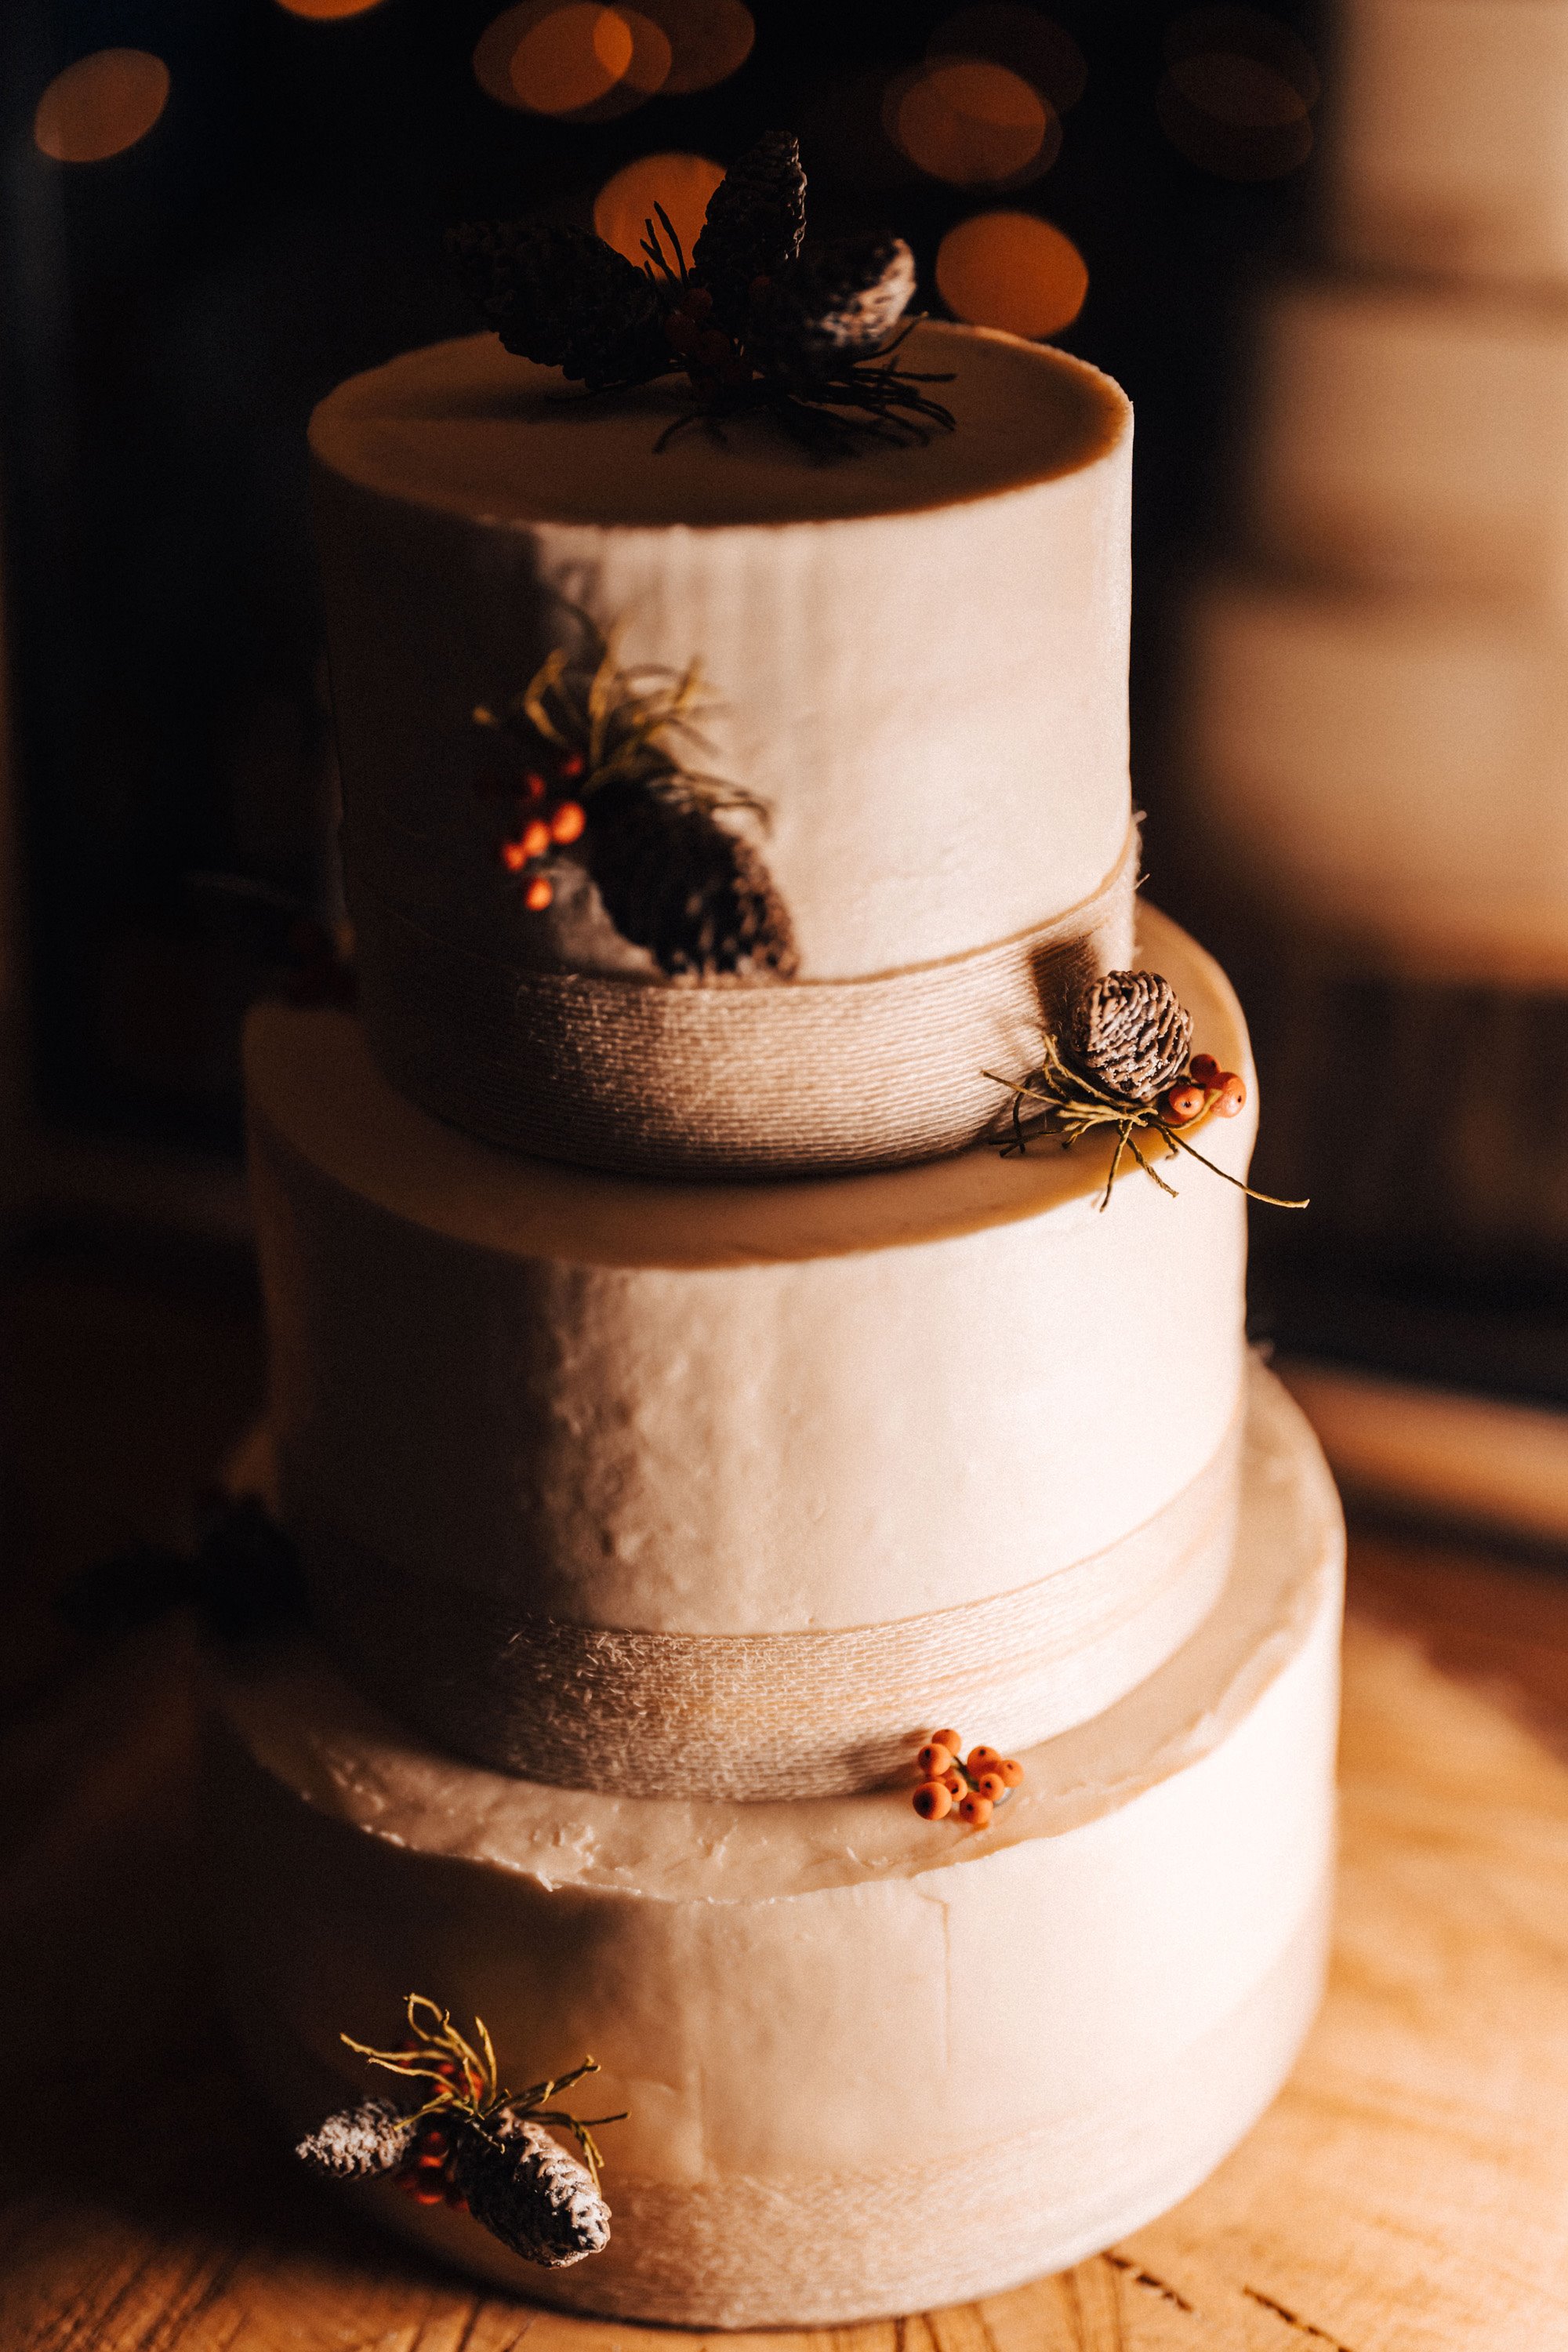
(172, 313)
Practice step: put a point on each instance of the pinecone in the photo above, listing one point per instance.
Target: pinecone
(677, 882)
(358, 2143)
(1128, 1034)
(563, 297)
(528, 2192)
(839, 303)
(755, 221)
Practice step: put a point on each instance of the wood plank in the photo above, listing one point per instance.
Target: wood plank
(1408, 2193)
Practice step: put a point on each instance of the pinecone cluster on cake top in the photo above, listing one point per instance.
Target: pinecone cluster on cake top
(598, 772)
(1121, 1058)
(757, 319)
(473, 2145)
(971, 1786)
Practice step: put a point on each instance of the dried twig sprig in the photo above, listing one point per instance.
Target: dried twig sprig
(757, 319)
(1120, 1060)
(472, 2144)
(971, 1786)
(607, 779)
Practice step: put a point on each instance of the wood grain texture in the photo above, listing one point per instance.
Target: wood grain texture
(1408, 2193)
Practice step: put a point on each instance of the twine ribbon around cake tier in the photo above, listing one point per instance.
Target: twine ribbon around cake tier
(756, 1717)
(727, 1077)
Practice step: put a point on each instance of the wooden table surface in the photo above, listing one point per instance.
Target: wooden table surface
(1407, 2193)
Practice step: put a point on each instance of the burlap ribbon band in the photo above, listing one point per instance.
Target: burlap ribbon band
(722, 1078)
(761, 1716)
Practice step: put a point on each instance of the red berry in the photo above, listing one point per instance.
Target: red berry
(1206, 1071)
(982, 1760)
(513, 856)
(934, 1759)
(572, 765)
(932, 1801)
(974, 1810)
(992, 1785)
(538, 895)
(1011, 1771)
(567, 823)
(1232, 1094)
(1183, 1103)
(535, 787)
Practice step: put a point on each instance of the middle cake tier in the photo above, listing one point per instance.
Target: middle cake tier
(627, 1484)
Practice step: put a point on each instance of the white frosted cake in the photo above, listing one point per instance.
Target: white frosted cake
(681, 1404)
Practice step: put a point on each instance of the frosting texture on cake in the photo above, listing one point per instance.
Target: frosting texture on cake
(915, 662)
(791, 2000)
(509, 1401)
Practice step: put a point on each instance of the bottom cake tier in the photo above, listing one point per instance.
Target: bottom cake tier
(823, 2016)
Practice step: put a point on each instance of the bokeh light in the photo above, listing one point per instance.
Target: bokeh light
(709, 40)
(1237, 96)
(571, 58)
(328, 11)
(1012, 270)
(1032, 46)
(101, 105)
(681, 184)
(970, 122)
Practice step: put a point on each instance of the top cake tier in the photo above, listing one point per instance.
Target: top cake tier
(914, 659)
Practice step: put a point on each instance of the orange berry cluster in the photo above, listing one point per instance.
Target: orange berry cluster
(425, 2175)
(1205, 1084)
(973, 1786)
(549, 828)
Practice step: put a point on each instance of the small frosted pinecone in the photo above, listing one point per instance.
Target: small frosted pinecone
(359, 2143)
(1128, 1034)
(755, 221)
(528, 2192)
(561, 296)
(838, 304)
(676, 881)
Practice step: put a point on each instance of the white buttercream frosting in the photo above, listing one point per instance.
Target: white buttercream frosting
(794, 2000)
(733, 1409)
(917, 657)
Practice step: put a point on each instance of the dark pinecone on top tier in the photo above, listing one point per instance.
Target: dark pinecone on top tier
(677, 882)
(563, 298)
(360, 2143)
(839, 303)
(756, 219)
(528, 2192)
(1128, 1034)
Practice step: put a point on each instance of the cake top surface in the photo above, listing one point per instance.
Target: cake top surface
(467, 427)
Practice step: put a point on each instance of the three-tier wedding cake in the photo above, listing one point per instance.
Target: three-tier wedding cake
(682, 1406)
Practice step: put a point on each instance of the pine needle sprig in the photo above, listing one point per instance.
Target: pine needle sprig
(612, 783)
(466, 2082)
(759, 320)
(1073, 1105)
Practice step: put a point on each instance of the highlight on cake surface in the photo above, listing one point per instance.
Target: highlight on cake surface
(756, 320)
(1121, 1058)
(606, 783)
(471, 2143)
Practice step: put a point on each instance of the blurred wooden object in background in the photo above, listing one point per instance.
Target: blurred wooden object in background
(1373, 763)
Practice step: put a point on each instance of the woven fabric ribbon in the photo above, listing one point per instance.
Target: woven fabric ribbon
(726, 1078)
(763, 1715)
